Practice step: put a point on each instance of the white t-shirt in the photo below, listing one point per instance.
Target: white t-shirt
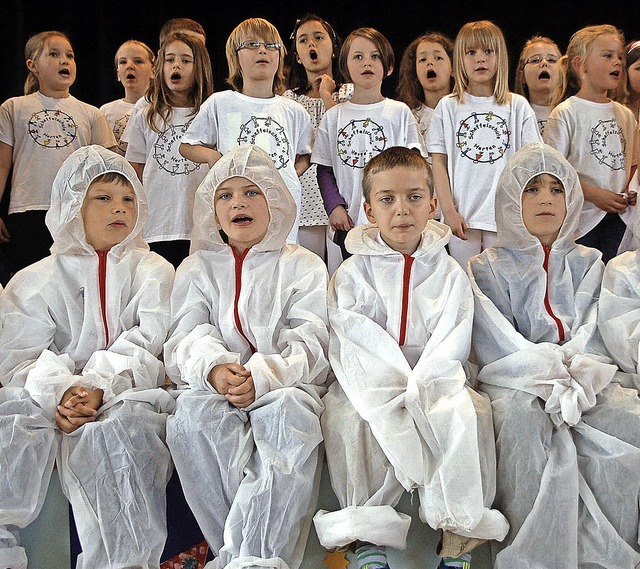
(312, 210)
(600, 140)
(542, 114)
(43, 133)
(118, 113)
(278, 125)
(423, 115)
(169, 179)
(350, 135)
(479, 137)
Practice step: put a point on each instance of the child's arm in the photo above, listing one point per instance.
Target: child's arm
(605, 200)
(6, 161)
(199, 153)
(334, 203)
(443, 191)
(326, 88)
(139, 168)
(303, 161)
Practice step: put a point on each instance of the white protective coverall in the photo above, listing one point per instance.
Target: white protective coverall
(99, 320)
(250, 475)
(401, 415)
(566, 431)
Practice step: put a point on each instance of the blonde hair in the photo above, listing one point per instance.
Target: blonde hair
(409, 89)
(32, 50)
(253, 28)
(376, 38)
(159, 95)
(485, 34)
(579, 47)
(519, 85)
(148, 51)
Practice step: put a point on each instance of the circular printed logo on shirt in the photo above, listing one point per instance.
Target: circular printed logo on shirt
(52, 128)
(483, 137)
(269, 135)
(359, 141)
(165, 151)
(118, 128)
(608, 144)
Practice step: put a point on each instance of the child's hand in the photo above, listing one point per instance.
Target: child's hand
(326, 85)
(608, 201)
(5, 237)
(77, 407)
(225, 376)
(457, 223)
(242, 395)
(339, 219)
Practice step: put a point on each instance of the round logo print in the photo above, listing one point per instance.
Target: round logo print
(52, 128)
(269, 135)
(483, 137)
(165, 151)
(359, 141)
(608, 144)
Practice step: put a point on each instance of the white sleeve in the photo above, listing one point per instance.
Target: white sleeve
(304, 133)
(137, 150)
(413, 136)
(101, 132)
(203, 129)
(322, 145)
(436, 141)
(556, 133)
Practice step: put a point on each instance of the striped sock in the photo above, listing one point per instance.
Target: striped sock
(371, 556)
(462, 562)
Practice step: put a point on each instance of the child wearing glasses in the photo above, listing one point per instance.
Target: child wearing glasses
(540, 76)
(253, 112)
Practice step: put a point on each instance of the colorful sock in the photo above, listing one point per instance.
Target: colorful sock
(462, 562)
(371, 556)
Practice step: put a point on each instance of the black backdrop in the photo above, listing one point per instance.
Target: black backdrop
(96, 29)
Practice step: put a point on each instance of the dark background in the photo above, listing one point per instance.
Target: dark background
(96, 29)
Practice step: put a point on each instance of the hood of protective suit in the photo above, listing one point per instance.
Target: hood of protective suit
(531, 160)
(366, 240)
(254, 164)
(64, 218)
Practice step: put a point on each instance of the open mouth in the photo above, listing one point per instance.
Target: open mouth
(176, 76)
(64, 72)
(615, 74)
(431, 74)
(130, 76)
(544, 75)
(242, 219)
(313, 54)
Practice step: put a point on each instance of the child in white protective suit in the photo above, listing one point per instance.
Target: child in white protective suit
(81, 332)
(402, 416)
(248, 346)
(567, 432)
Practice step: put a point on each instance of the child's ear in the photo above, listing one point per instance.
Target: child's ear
(433, 206)
(368, 211)
(31, 66)
(390, 71)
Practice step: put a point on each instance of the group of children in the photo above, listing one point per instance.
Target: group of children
(506, 395)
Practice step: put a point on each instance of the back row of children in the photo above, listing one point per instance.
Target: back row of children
(252, 337)
(475, 128)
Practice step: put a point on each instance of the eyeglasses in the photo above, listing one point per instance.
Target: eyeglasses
(536, 59)
(254, 45)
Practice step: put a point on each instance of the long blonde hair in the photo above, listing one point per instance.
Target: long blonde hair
(580, 46)
(32, 50)
(160, 96)
(253, 28)
(486, 34)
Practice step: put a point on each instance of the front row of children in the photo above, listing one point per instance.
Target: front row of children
(250, 347)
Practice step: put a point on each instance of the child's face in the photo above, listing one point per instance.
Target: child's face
(55, 67)
(544, 207)
(541, 76)
(602, 67)
(364, 63)
(634, 78)
(480, 64)
(179, 67)
(134, 69)
(109, 213)
(433, 67)
(242, 212)
(314, 47)
(400, 204)
(259, 64)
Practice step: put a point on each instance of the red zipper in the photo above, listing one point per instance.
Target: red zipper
(102, 284)
(547, 304)
(406, 278)
(239, 259)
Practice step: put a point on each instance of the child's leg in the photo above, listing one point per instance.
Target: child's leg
(488, 239)
(29, 445)
(210, 442)
(606, 236)
(362, 479)
(115, 472)
(270, 515)
(462, 250)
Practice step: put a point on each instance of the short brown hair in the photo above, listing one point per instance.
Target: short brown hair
(260, 28)
(395, 157)
(113, 178)
(185, 25)
(382, 45)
